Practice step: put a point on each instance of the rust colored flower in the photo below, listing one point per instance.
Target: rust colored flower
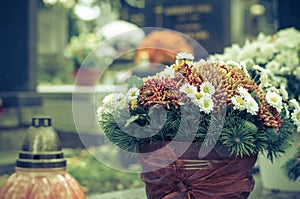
(234, 78)
(269, 115)
(225, 79)
(164, 91)
(211, 72)
(162, 47)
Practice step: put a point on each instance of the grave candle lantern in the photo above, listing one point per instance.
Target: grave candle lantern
(40, 171)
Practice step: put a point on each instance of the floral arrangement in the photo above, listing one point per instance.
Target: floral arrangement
(159, 47)
(278, 54)
(80, 46)
(221, 101)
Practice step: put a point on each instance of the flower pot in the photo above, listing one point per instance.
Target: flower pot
(87, 76)
(215, 176)
(272, 174)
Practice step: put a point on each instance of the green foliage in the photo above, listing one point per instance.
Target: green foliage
(292, 167)
(278, 142)
(114, 133)
(235, 130)
(239, 139)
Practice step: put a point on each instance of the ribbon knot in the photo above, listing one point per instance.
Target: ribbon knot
(182, 187)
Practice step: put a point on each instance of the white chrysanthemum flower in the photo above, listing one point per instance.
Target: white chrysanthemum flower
(273, 66)
(243, 92)
(274, 100)
(267, 52)
(232, 51)
(286, 108)
(115, 101)
(296, 118)
(101, 111)
(238, 102)
(184, 56)
(249, 50)
(195, 100)
(206, 104)
(201, 62)
(188, 89)
(285, 70)
(167, 72)
(194, 64)
(284, 93)
(198, 95)
(251, 105)
(264, 81)
(221, 62)
(233, 63)
(133, 93)
(195, 97)
(295, 103)
(107, 100)
(288, 58)
(273, 89)
(207, 88)
(261, 69)
(296, 72)
(249, 62)
(243, 66)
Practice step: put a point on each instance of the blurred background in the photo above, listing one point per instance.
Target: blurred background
(44, 42)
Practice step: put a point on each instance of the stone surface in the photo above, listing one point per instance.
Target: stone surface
(127, 194)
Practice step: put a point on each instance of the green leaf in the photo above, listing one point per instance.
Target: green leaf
(253, 93)
(134, 81)
(273, 135)
(251, 128)
(131, 119)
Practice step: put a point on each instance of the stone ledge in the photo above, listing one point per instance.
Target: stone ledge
(138, 193)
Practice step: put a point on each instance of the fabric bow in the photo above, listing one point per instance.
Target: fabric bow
(192, 178)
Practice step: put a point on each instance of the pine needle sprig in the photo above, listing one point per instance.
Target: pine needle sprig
(239, 135)
(239, 140)
(292, 167)
(278, 142)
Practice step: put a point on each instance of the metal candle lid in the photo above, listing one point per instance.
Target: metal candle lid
(41, 146)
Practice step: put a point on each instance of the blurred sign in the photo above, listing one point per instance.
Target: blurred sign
(206, 21)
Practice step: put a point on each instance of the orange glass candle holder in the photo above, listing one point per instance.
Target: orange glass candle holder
(41, 168)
